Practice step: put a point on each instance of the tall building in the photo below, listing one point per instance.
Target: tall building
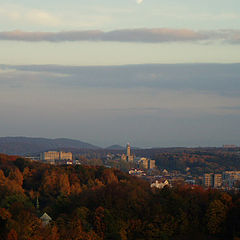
(143, 163)
(217, 181)
(128, 150)
(208, 179)
(151, 164)
(129, 157)
(212, 180)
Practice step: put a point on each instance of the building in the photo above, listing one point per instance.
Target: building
(128, 150)
(146, 163)
(151, 164)
(49, 157)
(229, 146)
(232, 174)
(53, 156)
(217, 180)
(128, 157)
(160, 184)
(212, 180)
(208, 179)
(230, 178)
(46, 219)
(143, 163)
(137, 172)
(65, 156)
(32, 158)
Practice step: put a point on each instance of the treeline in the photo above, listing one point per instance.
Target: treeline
(98, 203)
(198, 162)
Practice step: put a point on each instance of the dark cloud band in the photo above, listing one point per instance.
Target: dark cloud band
(220, 79)
(144, 35)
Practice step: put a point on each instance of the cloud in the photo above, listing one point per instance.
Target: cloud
(220, 79)
(42, 17)
(139, 1)
(147, 35)
(28, 15)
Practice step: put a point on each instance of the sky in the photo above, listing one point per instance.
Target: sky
(150, 72)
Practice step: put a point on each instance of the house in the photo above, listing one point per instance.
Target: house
(46, 219)
(160, 184)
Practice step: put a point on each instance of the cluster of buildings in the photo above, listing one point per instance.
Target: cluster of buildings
(226, 180)
(57, 157)
(146, 163)
(229, 146)
(164, 178)
(128, 156)
(143, 163)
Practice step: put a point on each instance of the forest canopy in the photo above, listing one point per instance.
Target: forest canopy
(87, 202)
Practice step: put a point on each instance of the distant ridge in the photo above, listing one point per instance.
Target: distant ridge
(115, 147)
(28, 145)
(119, 147)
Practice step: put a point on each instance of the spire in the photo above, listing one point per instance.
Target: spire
(37, 203)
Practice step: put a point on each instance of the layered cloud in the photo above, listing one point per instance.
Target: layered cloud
(156, 35)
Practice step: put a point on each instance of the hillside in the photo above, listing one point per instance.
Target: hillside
(97, 203)
(27, 145)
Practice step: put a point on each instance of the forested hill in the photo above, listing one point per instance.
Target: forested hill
(97, 203)
(24, 145)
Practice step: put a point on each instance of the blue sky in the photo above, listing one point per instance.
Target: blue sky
(148, 105)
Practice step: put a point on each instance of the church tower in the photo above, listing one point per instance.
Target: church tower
(128, 153)
(128, 150)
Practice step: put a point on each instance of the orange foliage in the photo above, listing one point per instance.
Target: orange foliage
(12, 235)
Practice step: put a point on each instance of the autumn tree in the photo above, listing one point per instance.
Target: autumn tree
(12, 235)
(64, 185)
(215, 215)
(99, 224)
(16, 176)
